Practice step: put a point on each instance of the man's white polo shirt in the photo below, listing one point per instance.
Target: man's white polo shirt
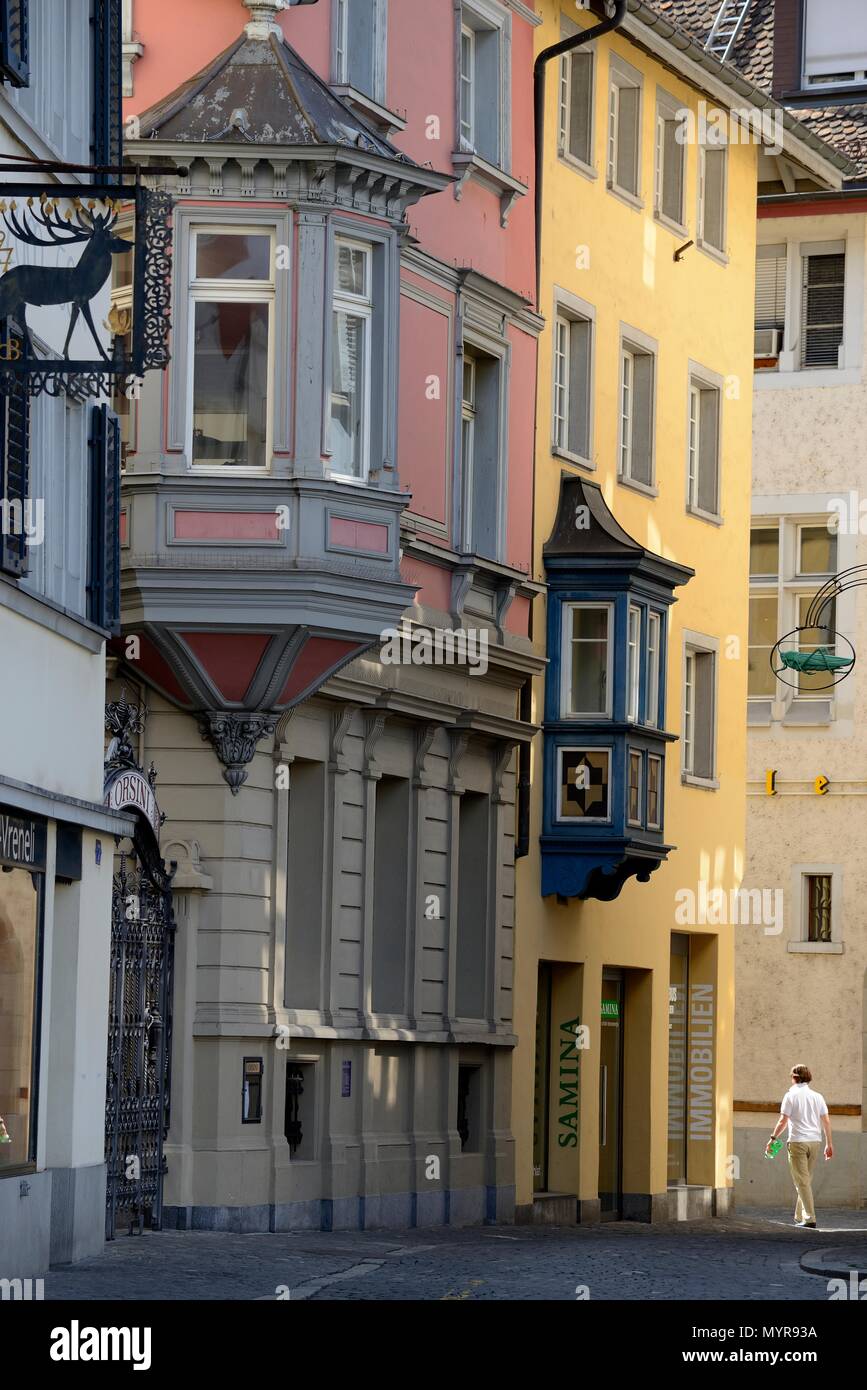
(804, 1110)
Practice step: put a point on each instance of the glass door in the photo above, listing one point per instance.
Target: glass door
(611, 1096)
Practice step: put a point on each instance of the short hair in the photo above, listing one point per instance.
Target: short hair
(802, 1073)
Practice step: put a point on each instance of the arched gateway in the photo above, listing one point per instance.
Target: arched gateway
(140, 990)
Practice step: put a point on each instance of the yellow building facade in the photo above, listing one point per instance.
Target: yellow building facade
(622, 1078)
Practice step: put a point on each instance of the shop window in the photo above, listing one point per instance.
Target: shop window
(299, 1119)
(469, 1113)
(22, 843)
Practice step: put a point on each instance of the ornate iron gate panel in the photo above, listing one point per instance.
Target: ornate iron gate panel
(140, 994)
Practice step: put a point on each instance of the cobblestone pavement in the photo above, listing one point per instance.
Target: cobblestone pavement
(755, 1255)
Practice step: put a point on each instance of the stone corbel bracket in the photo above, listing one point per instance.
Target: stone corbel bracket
(234, 737)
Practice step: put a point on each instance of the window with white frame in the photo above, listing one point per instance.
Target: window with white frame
(703, 448)
(360, 43)
(823, 280)
(654, 640)
(573, 338)
(585, 690)
(698, 738)
(633, 662)
(624, 128)
(481, 453)
(790, 560)
(351, 330)
(835, 43)
(232, 291)
(670, 161)
(637, 385)
(712, 195)
(575, 137)
(483, 89)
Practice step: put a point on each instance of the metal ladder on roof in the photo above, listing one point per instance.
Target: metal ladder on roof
(726, 28)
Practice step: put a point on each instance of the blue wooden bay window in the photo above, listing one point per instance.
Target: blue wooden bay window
(604, 726)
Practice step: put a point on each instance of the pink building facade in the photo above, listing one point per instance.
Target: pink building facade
(326, 568)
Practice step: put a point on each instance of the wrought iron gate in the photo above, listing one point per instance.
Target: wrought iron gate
(140, 995)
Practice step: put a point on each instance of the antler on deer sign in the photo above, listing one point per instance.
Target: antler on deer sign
(39, 287)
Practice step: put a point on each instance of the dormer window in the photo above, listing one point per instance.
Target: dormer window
(604, 735)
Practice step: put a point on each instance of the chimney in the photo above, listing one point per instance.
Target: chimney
(788, 40)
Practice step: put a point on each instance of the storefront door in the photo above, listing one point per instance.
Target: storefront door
(611, 1096)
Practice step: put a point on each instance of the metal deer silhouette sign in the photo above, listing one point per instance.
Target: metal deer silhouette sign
(61, 327)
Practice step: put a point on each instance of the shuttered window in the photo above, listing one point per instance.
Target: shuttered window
(576, 105)
(572, 339)
(14, 472)
(712, 193)
(698, 738)
(771, 287)
(103, 576)
(703, 451)
(624, 110)
(636, 415)
(670, 163)
(15, 42)
(107, 39)
(823, 284)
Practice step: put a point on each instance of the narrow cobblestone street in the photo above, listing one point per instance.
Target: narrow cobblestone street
(755, 1256)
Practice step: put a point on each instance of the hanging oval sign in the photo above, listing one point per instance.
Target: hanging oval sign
(132, 790)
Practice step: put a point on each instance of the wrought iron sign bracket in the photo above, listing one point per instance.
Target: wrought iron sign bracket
(61, 216)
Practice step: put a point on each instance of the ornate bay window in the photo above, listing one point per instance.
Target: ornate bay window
(604, 729)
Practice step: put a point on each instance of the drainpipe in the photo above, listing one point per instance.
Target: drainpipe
(613, 21)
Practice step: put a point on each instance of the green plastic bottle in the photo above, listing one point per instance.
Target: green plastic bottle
(776, 1145)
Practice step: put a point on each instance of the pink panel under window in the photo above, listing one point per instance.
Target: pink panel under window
(358, 535)
(226, 526)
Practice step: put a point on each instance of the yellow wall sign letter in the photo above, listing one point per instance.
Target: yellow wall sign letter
(821, 785)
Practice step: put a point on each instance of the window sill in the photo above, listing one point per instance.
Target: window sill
(649, 489)
(676, 228)
(388, 122)
(708, 784)
(713, 518)
(808, 377)
(815, 948)
(44, 612)
(472, 166)
(631, 199)
(568, 457)
(589, 171)
(713, 252)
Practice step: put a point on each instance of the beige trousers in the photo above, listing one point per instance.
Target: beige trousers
(802, 1161)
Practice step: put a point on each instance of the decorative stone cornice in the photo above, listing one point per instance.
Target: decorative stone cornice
(234, 738)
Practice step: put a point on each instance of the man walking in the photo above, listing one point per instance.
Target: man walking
(806, 1114)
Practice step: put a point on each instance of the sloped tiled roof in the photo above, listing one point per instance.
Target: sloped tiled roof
(844, 127)
(753, 54)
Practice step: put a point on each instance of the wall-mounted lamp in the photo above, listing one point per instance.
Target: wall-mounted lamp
(681, 250)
